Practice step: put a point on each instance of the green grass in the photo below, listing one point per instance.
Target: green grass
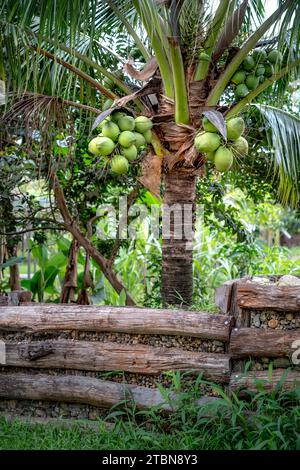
(295, 253)
(265, 421)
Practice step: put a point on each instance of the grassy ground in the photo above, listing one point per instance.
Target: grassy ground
(263, 422)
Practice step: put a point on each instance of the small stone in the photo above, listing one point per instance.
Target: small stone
(273, 323)
(263, 316)
(289, 316)
(93, 415)
(261, 280)
(256, 320)
(289, 280)
(40, 413)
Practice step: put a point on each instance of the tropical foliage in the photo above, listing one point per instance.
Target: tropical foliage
(173, 61)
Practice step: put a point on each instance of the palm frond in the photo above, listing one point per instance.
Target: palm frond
(193, 27)
(283, 133)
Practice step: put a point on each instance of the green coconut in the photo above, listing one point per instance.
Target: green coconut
(126, 123)
(102, 123)
(269, 70)
(119, 164)
(252, 82)
(241, 91)
(210, 156)
(259, 55)
(207, 142)
(108, 83)
(239, 77)
(107, 104)
(130, 153)
(117, 115)
(111, 130)
(235, 128)
(148, 136)
(101, 145)
(223, 159)
(248, 63)
(140, 140)
(261, 78)
(275, 57)
(208, 126)
(241, 146)
(260, 70)
(143, 124)
(126, 139)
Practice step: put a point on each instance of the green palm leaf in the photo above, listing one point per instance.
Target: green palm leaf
(283, 132)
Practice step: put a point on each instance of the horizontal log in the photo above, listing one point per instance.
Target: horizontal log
(245, 342)
(243, 383)
(268, 297)
(115, 319)
(98, 356)
(77, 389)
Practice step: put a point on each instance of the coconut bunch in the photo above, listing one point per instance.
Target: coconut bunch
(254, 70)
(121, 139)
(216, 150)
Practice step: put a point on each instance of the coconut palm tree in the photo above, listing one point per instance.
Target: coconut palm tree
(187, 54)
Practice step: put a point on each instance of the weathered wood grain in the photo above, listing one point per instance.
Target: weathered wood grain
(98, 356)
(16, 297)
(77, 389)
(243, 383)
(223, 296)
(115, 319)
(263, 297)
(245, 342)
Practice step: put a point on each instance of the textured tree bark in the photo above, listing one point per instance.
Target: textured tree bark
(98, 356)
(78, 389)
(14, 273)
(255, 342)
(70, 280)
(244, 383)
(53, 317)
(177, 253)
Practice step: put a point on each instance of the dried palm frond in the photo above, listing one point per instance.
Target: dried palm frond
(36, 112)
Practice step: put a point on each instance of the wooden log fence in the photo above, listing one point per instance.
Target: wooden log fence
(77, 389)
(98, 356)
(253, 381)
(262, 297)
(246, 342)
(53, 317)
(62, 354)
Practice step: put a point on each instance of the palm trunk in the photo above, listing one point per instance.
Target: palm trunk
(177, 253)
(14, 273)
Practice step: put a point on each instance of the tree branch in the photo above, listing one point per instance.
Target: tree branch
(130, 200)
(73, 228)
(78, 72)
